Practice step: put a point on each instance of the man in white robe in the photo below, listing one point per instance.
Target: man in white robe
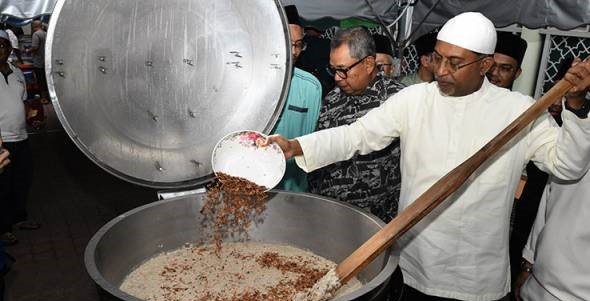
(555, 265)
(460, 250)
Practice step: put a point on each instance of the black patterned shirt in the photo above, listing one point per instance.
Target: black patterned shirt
(372, 181)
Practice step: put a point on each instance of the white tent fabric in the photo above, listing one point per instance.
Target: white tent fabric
(26, 9)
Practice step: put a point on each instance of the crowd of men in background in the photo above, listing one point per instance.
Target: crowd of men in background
(361, 67)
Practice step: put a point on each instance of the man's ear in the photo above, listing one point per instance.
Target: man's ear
(425, 60)
(370, 64)
(486, 64)
(518, 72)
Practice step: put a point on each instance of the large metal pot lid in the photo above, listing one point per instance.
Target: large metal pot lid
(145, 88)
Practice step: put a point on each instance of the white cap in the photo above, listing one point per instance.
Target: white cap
(472, 31)
(4, 35)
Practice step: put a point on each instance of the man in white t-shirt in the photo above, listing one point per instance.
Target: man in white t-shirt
(16, 178)
(14, 57)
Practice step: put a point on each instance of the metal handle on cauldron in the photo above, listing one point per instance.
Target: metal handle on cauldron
(438, 192)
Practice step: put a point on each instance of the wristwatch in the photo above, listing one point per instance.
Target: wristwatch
(581, 112)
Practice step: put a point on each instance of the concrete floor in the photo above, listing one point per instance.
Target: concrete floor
(72, 198)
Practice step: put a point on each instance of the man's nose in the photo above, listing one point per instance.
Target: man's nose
(441, 70)
(494, 70)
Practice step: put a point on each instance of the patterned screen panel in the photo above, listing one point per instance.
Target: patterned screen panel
(409, 63)
(562, 48)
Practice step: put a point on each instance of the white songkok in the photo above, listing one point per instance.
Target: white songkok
(472, 31)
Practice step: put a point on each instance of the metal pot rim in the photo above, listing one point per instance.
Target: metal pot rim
(92, 269)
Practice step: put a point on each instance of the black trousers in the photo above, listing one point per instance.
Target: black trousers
(525, 213)
(15, 182)
(41, 79)
(1, 288)
(6, 263)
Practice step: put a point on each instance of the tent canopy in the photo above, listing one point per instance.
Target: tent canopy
(563, 14)
(342, 9)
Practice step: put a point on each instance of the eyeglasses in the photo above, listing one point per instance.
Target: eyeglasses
(502, 68)
(299, 45)
(343, 72)
(437, 59)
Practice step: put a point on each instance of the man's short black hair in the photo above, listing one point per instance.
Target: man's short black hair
(292, 15)
(382, 44)
(511, 45)
(425, 44)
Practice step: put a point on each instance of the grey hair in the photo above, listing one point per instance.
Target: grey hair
(358, 39)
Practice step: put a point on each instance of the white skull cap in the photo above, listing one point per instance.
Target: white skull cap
(470, 30)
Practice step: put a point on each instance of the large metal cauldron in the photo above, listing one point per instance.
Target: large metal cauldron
(328, 228)
(145, 88)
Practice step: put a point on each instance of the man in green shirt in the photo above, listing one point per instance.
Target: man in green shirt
(300, 114)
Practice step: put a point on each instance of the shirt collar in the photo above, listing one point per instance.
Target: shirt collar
(378, 77)
(485, 86)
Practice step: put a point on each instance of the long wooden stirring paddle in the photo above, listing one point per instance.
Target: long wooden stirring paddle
(442, 188)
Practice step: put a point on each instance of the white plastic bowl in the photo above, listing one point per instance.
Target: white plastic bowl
(237, 155)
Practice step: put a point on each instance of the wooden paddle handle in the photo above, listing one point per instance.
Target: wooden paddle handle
(443, 188)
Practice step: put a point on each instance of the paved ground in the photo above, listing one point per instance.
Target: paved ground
(72, 198)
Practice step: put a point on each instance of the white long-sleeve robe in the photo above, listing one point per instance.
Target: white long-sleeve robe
(559, 244)
(460, 250)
